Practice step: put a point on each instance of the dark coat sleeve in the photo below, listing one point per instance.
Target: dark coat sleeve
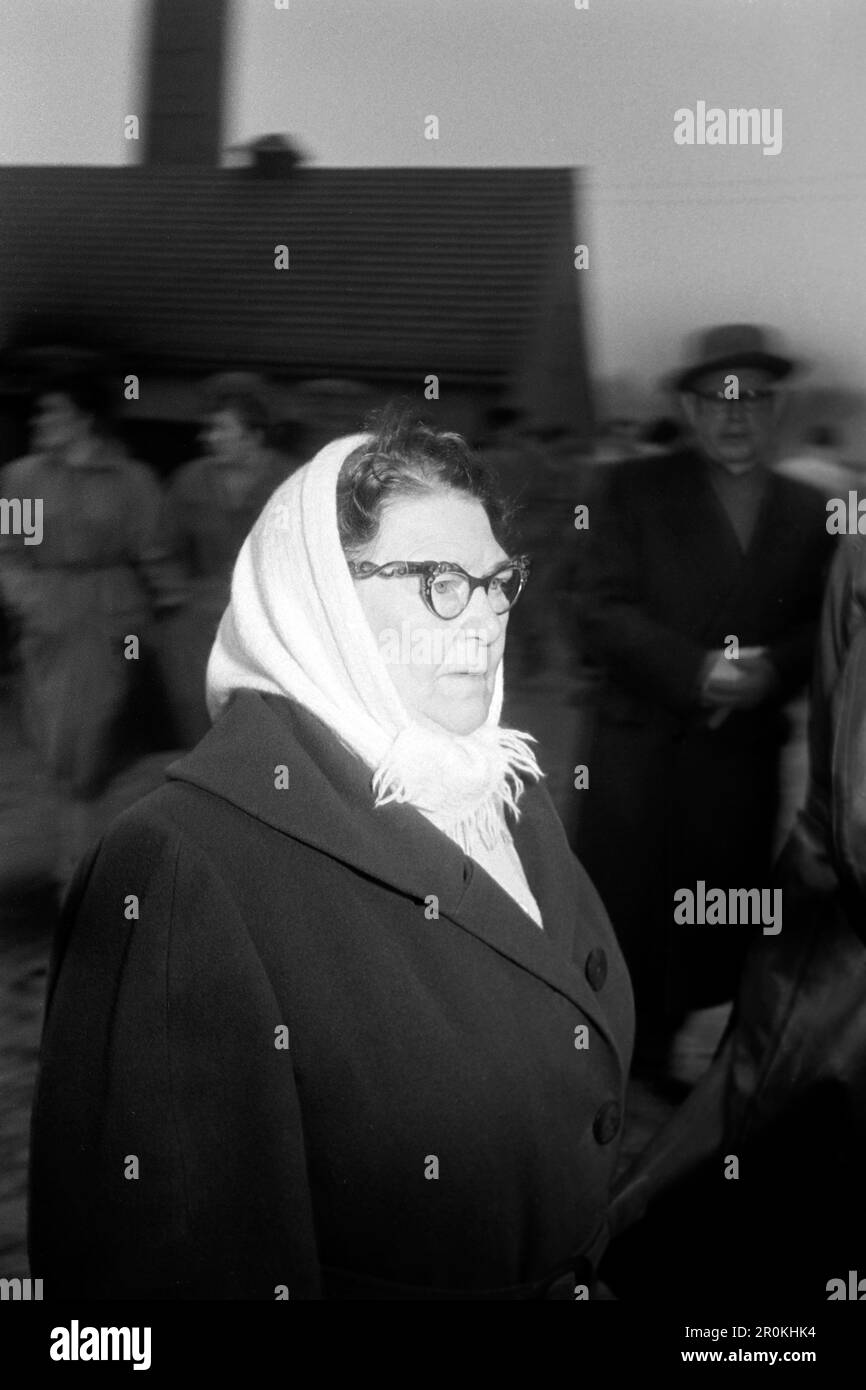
(648, 657)
(159, 1051)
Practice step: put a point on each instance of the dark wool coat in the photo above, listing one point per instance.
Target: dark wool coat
(670, 800)
(435, 1127)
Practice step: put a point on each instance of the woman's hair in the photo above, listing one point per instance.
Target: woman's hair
(406, 457)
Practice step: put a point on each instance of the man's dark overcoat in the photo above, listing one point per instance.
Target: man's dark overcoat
(444, 1121)
(672, 801)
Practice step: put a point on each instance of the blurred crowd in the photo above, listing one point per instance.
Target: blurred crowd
(661, 656)
(107, 623)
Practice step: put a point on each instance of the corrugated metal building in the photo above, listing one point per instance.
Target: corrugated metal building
(393, 275)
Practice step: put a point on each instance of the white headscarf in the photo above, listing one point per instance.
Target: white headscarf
(294, 626)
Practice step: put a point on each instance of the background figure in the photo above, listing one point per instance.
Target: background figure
(543, 475)
(818, 460)
(101, 571)
(688, 552)
(211, 505)
(787, 1092)
(524, 468)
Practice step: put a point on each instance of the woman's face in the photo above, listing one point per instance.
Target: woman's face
(58, 424)
(225, 437)
(443, 669)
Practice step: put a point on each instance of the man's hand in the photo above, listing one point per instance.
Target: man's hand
(732, 683)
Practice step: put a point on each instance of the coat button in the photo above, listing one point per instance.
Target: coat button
(605, 1126)
(596, 968)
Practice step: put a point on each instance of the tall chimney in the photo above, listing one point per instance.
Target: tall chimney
(183, 123)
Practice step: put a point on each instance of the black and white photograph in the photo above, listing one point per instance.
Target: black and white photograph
(432, 669)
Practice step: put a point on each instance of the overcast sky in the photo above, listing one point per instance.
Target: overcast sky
(512, 81)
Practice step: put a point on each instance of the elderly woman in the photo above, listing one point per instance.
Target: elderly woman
(336, 1013)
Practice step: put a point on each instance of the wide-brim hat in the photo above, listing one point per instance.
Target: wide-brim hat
(731, 345)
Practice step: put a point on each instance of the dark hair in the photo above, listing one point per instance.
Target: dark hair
(406, 457)
(88, 391)
(245, 395)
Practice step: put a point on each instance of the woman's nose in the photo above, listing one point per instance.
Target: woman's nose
(480, 615)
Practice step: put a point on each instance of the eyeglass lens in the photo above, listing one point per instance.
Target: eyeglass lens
(450, 592)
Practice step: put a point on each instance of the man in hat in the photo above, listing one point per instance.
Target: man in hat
(705, 575)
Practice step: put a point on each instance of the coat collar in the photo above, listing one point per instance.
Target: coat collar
(328, 805)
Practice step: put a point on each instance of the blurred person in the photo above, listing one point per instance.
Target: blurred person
(818, 461)
(787, 1090)
(507, 445)
(542, 472)
(522, 467)
(621, 438)
(332, 406)
(101, 572)
(357, 857)
(662, 433)
(705, 573)
(210, 506)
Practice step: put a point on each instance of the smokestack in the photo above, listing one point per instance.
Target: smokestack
(183, 123)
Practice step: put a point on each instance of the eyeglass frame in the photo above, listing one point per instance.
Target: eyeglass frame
(430, 569)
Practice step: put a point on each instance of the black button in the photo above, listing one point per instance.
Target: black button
(596, 967)
(606, 1124)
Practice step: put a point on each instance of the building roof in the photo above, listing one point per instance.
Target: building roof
(392, 272)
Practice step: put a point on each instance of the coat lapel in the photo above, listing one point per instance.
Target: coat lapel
(544, 852)
(769, 537)
(705, 534)
(327, 804)
(752, 571)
